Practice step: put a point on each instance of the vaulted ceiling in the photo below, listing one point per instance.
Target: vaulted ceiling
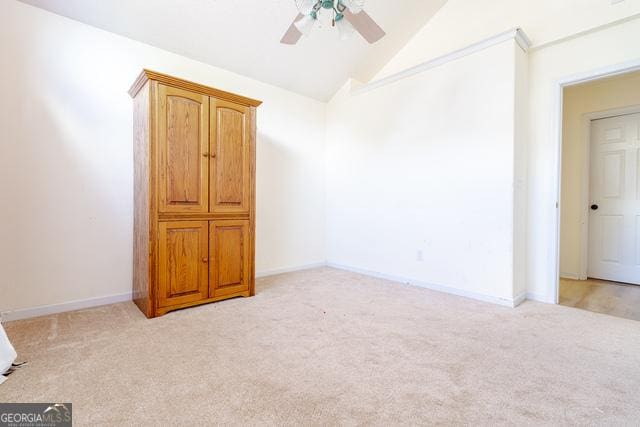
(243, 36)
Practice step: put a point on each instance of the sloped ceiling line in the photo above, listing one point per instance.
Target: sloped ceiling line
(243, 36)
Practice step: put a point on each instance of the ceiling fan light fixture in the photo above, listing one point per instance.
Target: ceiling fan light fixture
(345, 29)
(306, 23)
(348, 16)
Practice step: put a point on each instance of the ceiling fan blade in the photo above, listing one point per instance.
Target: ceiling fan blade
(365, 25)
(355, 6)
(293, 34)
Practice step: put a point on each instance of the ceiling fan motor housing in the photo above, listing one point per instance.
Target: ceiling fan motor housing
(327, 4)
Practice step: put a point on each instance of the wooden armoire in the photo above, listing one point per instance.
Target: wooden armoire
(194, 194)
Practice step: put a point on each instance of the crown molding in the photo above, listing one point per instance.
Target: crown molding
(516, 34)
(168, 80)
(585, 32)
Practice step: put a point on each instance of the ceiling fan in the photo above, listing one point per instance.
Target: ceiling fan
(348, 16)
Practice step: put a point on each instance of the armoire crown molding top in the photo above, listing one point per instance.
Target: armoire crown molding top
(146, 75)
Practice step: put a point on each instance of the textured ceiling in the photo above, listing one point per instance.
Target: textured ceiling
(243, 36)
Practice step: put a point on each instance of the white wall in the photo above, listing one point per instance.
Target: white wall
(65, 153)
(602, 95)
(427, 165)
(569, 37)
(66, 160)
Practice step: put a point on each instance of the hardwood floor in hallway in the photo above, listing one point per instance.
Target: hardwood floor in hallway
(613, 298)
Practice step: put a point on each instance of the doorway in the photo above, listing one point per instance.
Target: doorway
(600, 196)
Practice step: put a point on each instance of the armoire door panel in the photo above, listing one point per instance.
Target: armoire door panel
(183, 137)
(230, 167)
(184, 262)
(229, 251)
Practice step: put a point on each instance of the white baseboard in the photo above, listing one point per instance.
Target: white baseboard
(440, 288)
(539, 298)
(27, 313)
(519, 299)
(43, 310)
(275, 271)
(572, 276)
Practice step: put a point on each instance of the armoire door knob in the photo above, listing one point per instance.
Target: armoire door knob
(213, 155)
(205, 260)
(205, 154)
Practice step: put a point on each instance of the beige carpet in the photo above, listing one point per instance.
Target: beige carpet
(328, 347)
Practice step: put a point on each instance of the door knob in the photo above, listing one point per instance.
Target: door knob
(594, 207)
(205, 154)
(205, 260)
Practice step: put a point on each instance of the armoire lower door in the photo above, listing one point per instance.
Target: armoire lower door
(184, 262)
(229, 249)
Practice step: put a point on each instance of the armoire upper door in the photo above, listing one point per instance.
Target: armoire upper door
(183, 136)
(230, 163)
(229, 252)
(183, 249)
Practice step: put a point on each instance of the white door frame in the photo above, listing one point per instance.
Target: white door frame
(558, 96)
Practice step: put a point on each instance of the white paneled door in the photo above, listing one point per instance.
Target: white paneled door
(614, 222)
